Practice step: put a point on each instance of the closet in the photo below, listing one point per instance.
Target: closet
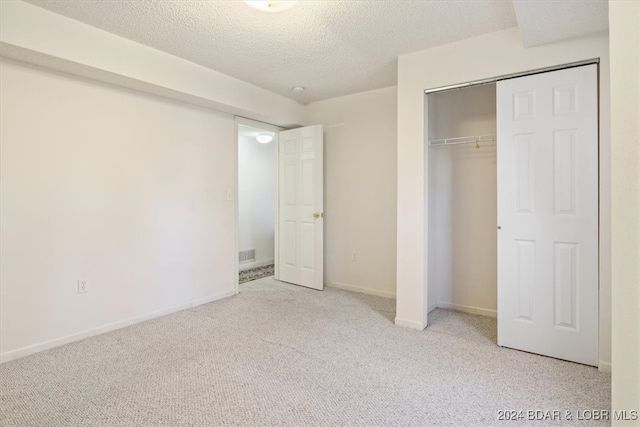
(462, 203)
(512, 204)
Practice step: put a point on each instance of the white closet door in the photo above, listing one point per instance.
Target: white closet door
(548, 214)
(300, 216)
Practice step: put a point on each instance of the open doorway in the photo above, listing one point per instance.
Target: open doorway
(280, 198)
(257, 199)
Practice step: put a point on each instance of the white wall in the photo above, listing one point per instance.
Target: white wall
(462, 205)
(257, 181)
(31, 34)
(489, 55)
(360, 189)
(624, 22)
(120, 188)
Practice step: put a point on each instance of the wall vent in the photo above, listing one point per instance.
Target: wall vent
(248, 255)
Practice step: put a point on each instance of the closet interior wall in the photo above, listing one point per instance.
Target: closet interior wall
(462, 202)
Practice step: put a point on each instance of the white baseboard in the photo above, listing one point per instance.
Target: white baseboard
(409, 323)
(212, 298)
(368, 291)
(46, 345)
(467, 309)
(432, 307)
(604, 366)
(255, 264)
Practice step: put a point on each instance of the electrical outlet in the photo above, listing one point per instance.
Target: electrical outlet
(83, 286)
(354, 256)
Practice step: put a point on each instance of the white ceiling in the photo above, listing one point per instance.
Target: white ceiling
(332, 48)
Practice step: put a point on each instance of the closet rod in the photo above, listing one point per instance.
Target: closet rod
(514, 75)
(482, 139)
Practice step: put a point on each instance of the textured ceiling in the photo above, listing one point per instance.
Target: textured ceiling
(332, 48)
(548, 21)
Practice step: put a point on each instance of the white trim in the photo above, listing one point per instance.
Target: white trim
(432, 307)
(256, 124)
(276, 226)
(46, 345)
(255, 264)
(467, 309)
(604, 366)
(236, 211)
(514, 75)
(409, 323)
(212, 298)
(368, 291)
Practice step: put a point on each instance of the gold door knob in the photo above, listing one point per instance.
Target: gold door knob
(318, 214)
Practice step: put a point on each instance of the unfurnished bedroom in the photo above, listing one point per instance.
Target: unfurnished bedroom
(319, 213)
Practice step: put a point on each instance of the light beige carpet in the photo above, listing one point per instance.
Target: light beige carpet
(281, 355)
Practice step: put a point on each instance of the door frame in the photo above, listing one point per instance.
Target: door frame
(515, 75)
(425, 240)
(238, 121)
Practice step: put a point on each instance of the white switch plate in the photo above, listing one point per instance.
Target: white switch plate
(83, 286)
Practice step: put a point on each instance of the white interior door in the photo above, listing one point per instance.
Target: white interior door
(300, 207)
(548, 214)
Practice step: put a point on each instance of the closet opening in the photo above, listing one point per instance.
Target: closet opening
(462, 199)
(513, 207)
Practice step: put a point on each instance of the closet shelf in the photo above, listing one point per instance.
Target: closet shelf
(482, 139)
